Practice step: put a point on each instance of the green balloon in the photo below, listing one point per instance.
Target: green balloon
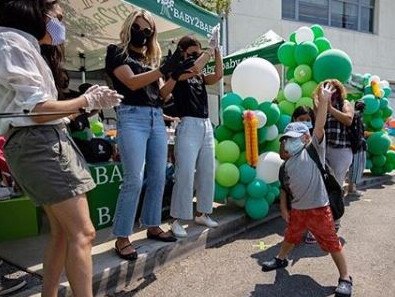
(230, 99)
(233, 117)
(247, 173)
(388, 167)
(286, 54)
(302, 74)
(377, 123)
(332, 64)
(306, 52)
(377, 170)
(220, 193)
(286, 107)
(222, 133)
(290, 73)
(323, 44)
(387, 112)
(241, 160)
(250, 103)
(387, 91)
(275, 184)
(97, 128)
(271, 111)
(276, 191)
(257, 188)
(367, 118)
(379, 161)
(378, 143)
(369, 164)
(367, 90)
(372, 104)
(280, 96)
(256, 208)
(238, 192)
(391, 157)
(308, 88)
(305, 101)
(292, 37)
(227, 175)
(272, 146)
(262, 135)
(317, 30)
(227, 151)
(239, 139)
(284, 120)
(383, 103)
(270, 197)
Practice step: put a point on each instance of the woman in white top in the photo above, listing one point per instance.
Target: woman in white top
(43, 159)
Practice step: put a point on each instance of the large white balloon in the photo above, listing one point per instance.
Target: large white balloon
(304, 34)
(271, 133)
(256, 77)
(268, 167)
(262, 119)
(292, 92)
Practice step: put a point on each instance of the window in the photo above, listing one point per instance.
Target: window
(349, 14)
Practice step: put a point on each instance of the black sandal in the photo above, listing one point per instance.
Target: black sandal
(161, 238)
(130, 257)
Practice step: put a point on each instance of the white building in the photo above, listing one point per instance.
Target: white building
(364, 29)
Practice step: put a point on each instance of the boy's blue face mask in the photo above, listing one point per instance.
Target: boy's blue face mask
(308, 124)
(293, 145)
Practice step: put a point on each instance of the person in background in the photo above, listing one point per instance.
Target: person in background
(40, 144)
(194, 148)
(142, 141)
(359, 153)
(340, 115)
(310, 207)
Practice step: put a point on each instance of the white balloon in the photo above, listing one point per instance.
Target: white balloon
(262, 119)
(375, 78)
(384, 84)
(268, 167)
(292, 92)
(256, 77)
(304, 34)
(271, 133)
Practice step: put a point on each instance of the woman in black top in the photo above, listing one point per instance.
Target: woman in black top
(142, 138)
(194, 148)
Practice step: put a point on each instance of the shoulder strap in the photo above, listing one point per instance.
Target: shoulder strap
(314, 155)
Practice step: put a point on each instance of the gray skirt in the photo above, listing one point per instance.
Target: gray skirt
(46, 163)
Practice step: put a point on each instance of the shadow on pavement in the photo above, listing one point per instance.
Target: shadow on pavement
(296, 285)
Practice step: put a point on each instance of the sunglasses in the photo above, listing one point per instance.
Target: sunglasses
(146, 31)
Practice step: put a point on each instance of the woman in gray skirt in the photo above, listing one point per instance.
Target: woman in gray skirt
(43, 159)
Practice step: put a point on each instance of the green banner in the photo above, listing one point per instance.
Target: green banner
(183, 13)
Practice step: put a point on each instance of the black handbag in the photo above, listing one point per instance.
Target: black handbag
(333, 188)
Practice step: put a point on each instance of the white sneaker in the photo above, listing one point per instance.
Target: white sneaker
(204, 219)
(178, 230)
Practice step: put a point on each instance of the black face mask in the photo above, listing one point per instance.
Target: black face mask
(138, 39)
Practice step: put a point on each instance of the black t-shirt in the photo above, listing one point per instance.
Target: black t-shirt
(146, 96)
(190, 98)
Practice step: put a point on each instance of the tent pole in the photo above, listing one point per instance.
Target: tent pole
(224, 50)
(282, 76)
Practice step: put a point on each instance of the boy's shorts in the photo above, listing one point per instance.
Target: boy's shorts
(319, 221)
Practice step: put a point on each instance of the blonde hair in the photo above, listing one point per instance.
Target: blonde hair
(152, 51)
(334, 82)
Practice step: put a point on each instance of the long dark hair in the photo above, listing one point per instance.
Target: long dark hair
(24, 15)
(53, 55)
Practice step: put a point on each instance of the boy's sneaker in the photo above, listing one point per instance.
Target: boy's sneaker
(204, 219)
(344, 288)
(178, 230)
(273, 264)
(8, 285)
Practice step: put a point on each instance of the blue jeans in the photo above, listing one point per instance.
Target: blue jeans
(194, 150)
(142, 140)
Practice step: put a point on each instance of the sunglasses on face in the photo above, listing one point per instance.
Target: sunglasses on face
(146, 31)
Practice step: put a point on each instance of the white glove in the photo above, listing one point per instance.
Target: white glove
(101, 97)
(214, 39)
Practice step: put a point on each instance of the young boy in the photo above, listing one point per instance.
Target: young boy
(310, 205)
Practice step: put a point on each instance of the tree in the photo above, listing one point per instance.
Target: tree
(221, 7)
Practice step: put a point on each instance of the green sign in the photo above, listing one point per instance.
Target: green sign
(180, 12)
(103, 199)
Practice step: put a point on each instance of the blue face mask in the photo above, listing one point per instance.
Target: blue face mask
(308, 124)
(57, 30)
(293, 145)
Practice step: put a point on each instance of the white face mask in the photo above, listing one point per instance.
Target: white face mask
(308, 124)
(293, 145)
(57, 30)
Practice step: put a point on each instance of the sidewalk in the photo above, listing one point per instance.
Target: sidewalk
(112, 274)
